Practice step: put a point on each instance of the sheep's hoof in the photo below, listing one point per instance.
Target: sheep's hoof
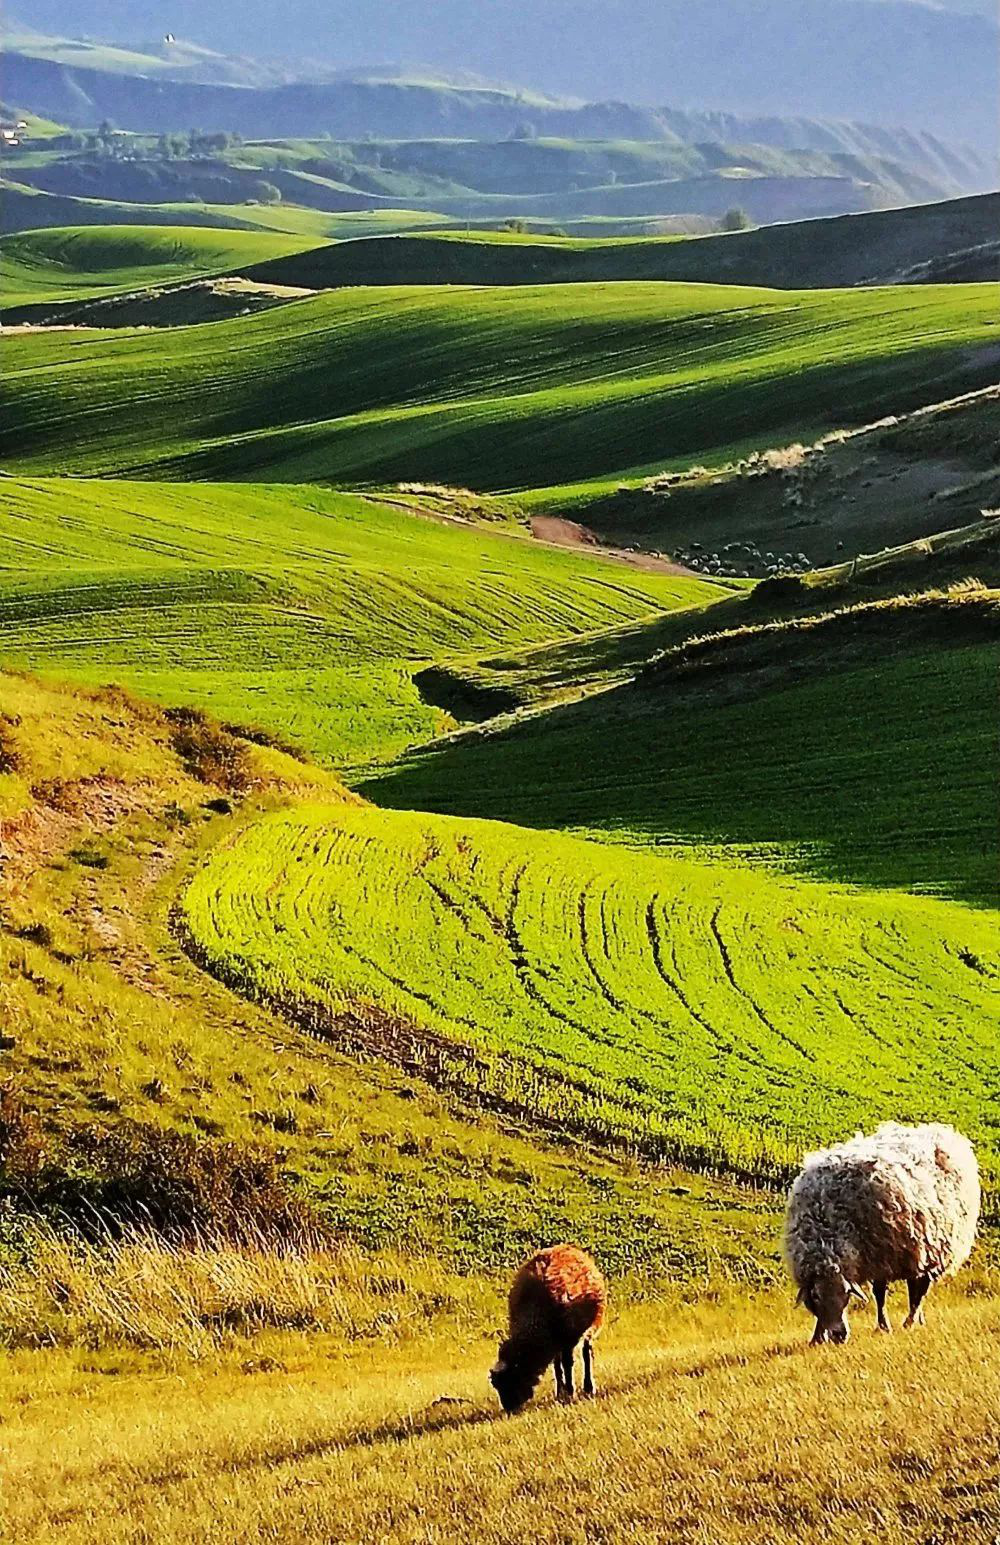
(884, 1328)
(564, 1398)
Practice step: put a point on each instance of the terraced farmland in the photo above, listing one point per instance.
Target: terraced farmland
(42, 267)
(715, 1014)
(488, 388)
(299, 609)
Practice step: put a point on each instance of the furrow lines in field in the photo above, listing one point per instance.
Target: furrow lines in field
(588, 954)
(656, 945)
(755, 1008)
(604, 980)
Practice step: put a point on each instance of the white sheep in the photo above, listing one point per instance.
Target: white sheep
(900, 1205)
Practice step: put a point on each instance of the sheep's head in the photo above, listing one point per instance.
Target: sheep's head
(514, 1377)
(827, 1294)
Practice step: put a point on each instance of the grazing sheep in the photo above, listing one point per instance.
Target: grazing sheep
(557, 1298)
(901, 1205)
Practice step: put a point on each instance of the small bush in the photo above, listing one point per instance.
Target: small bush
(258, 736)
(36, 933)
(89, 858)
(209, 752)
(179, 1186)
(23, 1153)
(106, 1180)
(10, 757)
(781, 589)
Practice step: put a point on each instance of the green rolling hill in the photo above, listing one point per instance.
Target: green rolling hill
(857, 773)
(488, 387)
(301, 610)
(47, 267)
(28, 209)
(877, 248)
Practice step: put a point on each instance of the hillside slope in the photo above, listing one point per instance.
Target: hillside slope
(903, 478)
(853, 772)
(42, 268)
(108, 805)
(490, 387)
(882, 247)
(302, 610)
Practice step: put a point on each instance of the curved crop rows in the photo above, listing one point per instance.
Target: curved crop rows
(715, 1014)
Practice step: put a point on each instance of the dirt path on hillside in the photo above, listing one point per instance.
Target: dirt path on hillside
(550, 531)
(554, 531)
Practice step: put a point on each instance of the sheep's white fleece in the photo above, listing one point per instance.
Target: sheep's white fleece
(901, 1203)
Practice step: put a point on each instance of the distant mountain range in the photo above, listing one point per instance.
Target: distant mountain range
(887, 62)
(907, 166)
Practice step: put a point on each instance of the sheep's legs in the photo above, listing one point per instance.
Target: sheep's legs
(879, 1289)
(918, 1289)
(588, 1369)
(566, 1357)
(558, 1365)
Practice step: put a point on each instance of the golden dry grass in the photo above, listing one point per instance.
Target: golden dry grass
(715, 1425)
(144, 1292)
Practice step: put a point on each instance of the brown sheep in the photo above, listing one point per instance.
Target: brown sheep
(556, 1299)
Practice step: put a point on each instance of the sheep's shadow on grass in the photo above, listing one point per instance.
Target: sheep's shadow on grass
(392, 1430)
(441, 1415)
(448, 1414)
(717, 1363)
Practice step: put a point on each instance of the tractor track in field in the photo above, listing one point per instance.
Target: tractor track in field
(587, 953)
(748, 997)
(655, 944)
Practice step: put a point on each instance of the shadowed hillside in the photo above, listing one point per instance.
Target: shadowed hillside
(884, 247)
(488, 388)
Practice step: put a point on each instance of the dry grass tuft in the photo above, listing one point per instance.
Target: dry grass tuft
(142, 1291)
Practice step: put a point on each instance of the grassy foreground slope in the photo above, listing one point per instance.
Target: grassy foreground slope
(491, 387)
(875, 248)
(299, 609)
(714, 1423)
(86, 262)
(652, 1000)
